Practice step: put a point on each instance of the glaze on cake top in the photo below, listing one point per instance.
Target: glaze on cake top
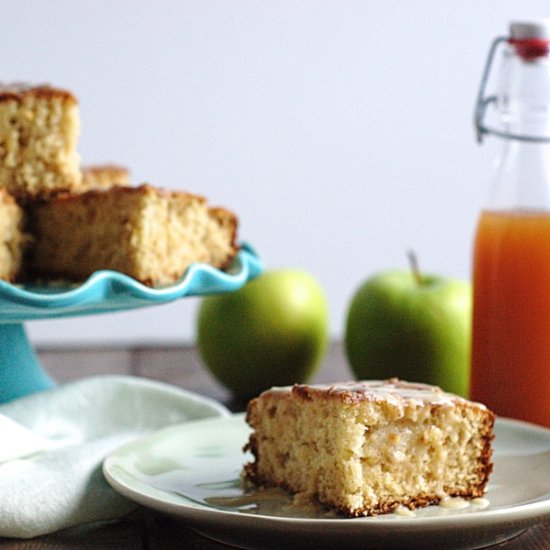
(393, 390)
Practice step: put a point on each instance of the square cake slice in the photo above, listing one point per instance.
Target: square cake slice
(368, 447)
(39, 128)
(13, 240)
(151, 234)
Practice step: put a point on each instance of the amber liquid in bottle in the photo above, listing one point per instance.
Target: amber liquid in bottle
(511, 335)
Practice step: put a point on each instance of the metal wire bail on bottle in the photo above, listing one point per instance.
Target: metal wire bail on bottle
(483, 103)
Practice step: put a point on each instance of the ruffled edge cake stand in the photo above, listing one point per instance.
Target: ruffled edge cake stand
(103, 292)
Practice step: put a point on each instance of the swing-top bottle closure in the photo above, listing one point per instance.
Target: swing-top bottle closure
(530, 42)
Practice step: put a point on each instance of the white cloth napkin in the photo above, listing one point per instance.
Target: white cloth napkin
(52, 445)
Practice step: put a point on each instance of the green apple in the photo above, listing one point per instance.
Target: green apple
(415, 327)
(271, 332)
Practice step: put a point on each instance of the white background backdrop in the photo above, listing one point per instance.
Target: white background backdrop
(340, 131)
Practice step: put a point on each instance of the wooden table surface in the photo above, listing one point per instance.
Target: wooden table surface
(145, 529)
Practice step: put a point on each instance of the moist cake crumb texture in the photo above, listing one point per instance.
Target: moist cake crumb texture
(150, 234)
(39, 129)
(13, 239)
(366, 448)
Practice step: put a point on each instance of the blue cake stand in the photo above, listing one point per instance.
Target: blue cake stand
(104, 292)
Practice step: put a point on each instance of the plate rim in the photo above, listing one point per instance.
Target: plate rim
(201, 513)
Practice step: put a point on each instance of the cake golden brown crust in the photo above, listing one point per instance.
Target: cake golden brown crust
(366, 448)
(150, 234)
(18, 91)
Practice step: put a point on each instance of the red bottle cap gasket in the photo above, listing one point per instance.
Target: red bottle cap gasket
(530, 48)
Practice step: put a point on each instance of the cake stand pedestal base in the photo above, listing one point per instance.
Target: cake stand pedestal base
(20, 370)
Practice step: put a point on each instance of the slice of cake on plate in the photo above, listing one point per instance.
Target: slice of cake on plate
(366, 448)
(150, 234)
(39, 128)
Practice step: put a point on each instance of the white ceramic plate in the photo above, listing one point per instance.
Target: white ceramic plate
(192, 471)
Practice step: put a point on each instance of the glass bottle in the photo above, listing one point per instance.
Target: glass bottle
(510, 370)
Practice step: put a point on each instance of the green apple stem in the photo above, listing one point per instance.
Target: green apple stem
(413, 262)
